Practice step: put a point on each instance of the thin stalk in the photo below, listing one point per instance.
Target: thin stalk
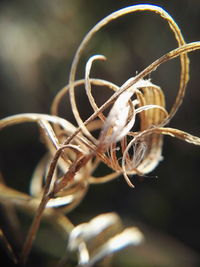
(37, 219)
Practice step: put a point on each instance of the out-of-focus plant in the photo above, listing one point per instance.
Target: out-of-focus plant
(63, 175)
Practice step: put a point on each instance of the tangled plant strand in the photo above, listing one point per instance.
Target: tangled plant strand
(62, 177)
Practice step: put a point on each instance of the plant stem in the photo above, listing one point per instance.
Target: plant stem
(33, 231)
(37, 219)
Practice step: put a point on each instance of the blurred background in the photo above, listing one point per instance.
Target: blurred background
(37, 42)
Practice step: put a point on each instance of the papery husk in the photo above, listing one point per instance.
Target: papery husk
(61, 178)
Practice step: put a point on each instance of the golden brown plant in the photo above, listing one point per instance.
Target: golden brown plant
(63, 175)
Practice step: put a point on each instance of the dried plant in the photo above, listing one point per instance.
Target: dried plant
(62, 176)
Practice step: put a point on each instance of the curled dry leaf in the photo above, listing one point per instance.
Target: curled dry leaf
(62, 177)
(93, 243)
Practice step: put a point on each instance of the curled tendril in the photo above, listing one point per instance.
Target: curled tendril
(62, 177)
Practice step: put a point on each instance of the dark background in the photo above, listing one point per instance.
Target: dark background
(37, 42)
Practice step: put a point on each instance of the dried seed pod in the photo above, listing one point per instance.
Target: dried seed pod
(76, 153)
